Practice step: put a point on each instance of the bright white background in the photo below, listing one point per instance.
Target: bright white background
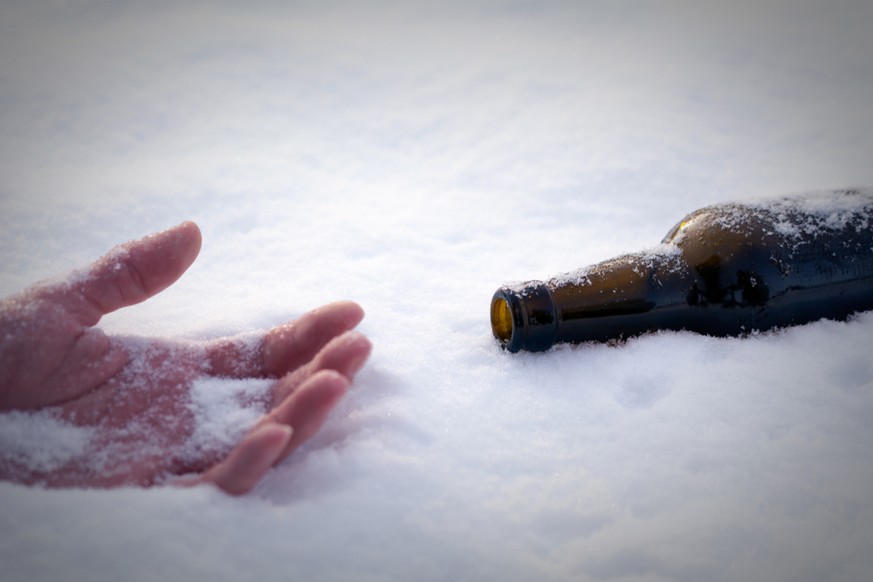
(413, 157)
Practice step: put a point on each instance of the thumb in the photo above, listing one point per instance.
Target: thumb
(133, 272)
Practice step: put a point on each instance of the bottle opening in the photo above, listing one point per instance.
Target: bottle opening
(501, 319)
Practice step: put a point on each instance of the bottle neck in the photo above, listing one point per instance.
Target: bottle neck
(612, 299)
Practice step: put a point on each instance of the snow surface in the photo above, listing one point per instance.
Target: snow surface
(414, 157)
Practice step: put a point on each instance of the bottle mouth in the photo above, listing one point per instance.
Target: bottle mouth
(501, 319)
(523, 317)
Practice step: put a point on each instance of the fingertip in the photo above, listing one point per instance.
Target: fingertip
(347, 353)
(274, 436)
(358, 347)
(191, 227)
(188, 224)
(311, 400)
(330, 383)
(274, 439)
(347, 314)
(179, 244)
(262, 448)
(190, 240)
(355, 312)
(307, 407)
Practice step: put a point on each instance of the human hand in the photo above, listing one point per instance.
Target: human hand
(133, 394)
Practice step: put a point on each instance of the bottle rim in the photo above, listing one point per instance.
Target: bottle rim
(524, 317)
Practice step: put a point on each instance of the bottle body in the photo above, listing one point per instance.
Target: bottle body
(723, 270)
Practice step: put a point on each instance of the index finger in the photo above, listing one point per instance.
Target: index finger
(284, 348)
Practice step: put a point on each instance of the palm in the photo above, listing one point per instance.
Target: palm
(141, 418)
(135, 393)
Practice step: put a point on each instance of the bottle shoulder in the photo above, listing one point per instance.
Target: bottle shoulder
(797, 242)
(844, 216)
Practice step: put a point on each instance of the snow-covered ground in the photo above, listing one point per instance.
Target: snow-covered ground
(413, 157)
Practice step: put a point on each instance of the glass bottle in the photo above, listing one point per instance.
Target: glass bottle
(724, 270)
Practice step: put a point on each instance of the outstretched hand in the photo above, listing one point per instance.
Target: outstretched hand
(135, 393)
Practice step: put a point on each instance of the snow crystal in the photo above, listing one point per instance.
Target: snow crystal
(663, 258)
(224, 411)
(813, 213)
(39, 441)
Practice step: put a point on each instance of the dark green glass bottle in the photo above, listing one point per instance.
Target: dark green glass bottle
(723, 270)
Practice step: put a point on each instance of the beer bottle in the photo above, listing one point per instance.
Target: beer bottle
(724, 270)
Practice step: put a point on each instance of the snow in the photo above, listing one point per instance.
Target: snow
(414, 157)
(224, 411)
(40, 441)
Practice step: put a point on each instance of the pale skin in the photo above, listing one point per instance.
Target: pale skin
(52, 357)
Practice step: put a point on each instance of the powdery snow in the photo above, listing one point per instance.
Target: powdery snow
(414, 157)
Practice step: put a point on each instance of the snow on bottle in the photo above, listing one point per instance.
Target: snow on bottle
(724, 270)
